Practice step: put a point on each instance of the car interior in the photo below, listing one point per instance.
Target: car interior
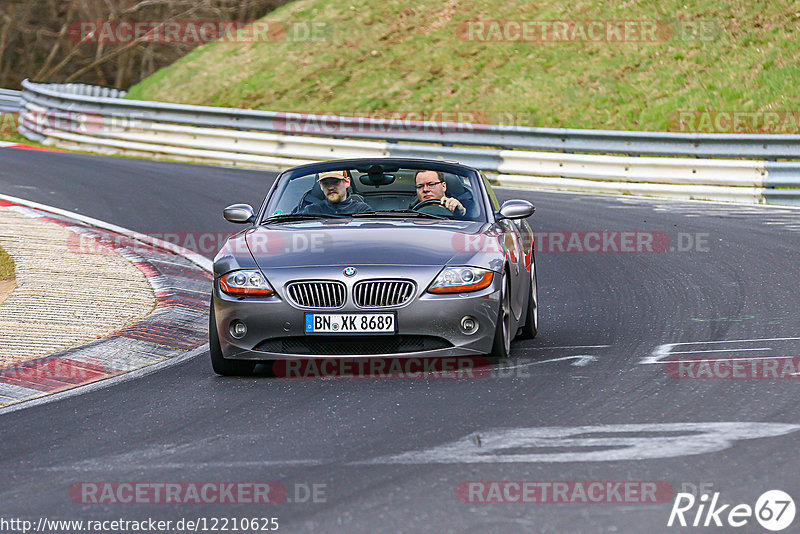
(384, 189)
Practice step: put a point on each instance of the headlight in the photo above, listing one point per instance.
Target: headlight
(461, 280)
(250, 282)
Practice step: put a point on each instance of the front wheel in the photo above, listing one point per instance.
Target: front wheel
(220, 365)
(501, 348)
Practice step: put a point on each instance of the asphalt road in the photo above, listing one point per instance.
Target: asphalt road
(590, 399)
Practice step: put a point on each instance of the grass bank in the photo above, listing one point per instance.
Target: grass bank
(471, 58)
(6, 266)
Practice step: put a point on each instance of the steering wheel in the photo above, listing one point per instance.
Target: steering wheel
(434, 207)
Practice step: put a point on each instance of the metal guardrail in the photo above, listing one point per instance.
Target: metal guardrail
(81, 89)
(10, 101)
(75, 115)
(508, 137)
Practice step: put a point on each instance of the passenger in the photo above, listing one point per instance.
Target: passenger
(431, 185)
(334, 185)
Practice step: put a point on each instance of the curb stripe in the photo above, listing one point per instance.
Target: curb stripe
(29, 147)
(175, 328)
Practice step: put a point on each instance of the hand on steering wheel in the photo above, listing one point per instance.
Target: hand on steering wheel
(453, 204)
(433, 206)
(429, 202)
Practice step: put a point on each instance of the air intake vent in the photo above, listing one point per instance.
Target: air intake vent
(322, 294)
(383, 293)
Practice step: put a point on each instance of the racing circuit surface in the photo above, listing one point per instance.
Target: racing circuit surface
(590, 399)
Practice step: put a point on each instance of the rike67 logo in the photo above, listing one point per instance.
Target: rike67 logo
(774, 510)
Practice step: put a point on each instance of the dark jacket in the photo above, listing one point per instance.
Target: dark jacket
(345, 207)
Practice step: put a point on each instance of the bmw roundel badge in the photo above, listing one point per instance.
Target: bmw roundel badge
(350, 271)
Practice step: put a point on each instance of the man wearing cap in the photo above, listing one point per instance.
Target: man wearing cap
(334, 185)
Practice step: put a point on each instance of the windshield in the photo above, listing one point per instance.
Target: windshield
(377, 191)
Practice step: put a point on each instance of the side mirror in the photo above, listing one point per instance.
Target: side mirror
(239, 213)
(516, 209)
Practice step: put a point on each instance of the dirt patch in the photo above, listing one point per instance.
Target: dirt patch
(6, 287)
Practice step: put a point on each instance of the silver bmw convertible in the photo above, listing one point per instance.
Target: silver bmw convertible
(380, 257)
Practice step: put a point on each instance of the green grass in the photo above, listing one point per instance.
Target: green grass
(6, 266)
(384, 56)
(8, 131)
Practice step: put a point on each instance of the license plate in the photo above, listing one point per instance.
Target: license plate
(350, 323)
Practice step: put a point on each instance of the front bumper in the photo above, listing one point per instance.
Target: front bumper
(426, 316)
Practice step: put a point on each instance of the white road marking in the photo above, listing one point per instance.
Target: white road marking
(511, 445)
(582, 360)
(716, 350)
(565, 347)
(519, 445)
(244, 464)
(661, 352)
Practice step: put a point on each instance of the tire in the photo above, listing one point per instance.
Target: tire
(221, 365)
(531, 326)
(501, 347)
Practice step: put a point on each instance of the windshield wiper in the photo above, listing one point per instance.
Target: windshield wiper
(291, 217)
(393, 213)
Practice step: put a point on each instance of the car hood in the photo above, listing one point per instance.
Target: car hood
(359, 242)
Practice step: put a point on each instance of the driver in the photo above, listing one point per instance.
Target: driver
(431, 186)
(334, 185)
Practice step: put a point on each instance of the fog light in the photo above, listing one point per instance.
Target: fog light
(238, 329)
(469, 325)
